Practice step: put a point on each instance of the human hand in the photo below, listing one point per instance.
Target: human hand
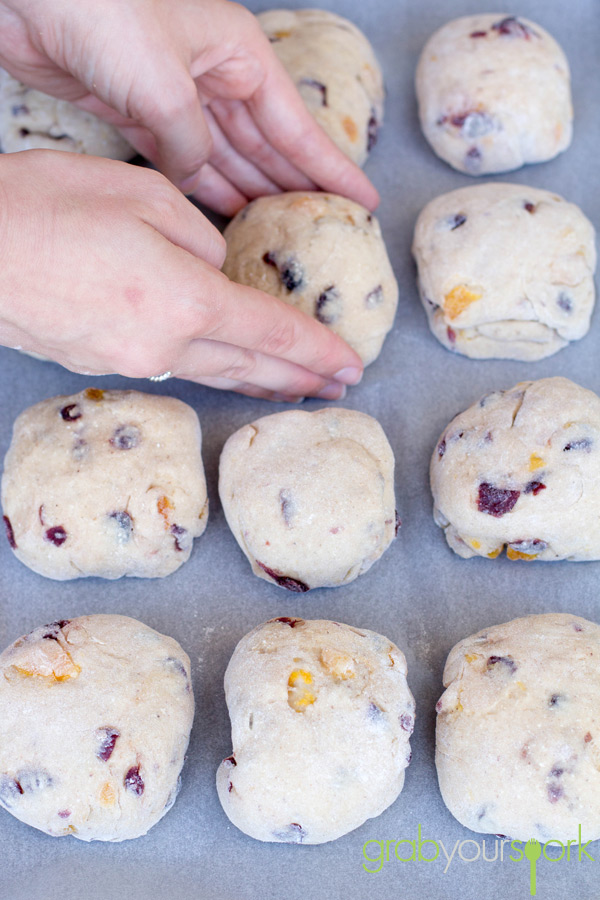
(193, 85)
(106, 267)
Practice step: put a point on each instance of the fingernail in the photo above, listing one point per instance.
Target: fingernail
(349, 375)
(332, 392)
(189, 185)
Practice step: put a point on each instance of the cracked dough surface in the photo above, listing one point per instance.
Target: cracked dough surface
(518, 729)
(334, 67)
(494, 93)
(32, 120)
(505, 271)
(95, 718)
(323, 254)
(521, 468)
(321, 717)
(105, 483)
(309, 497)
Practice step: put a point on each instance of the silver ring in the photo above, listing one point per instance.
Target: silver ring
(162, 377)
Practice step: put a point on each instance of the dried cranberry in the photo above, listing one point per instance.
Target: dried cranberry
(374, 298)
(177, 666)
(398, 523)
(284, 581)
(269, 259)
(514, 28)
(407, 723)
(106, 738)
(288, 507)
(64, 813)
(292, 275)
(577, 626)
(285, 620)
(126, 437)
(457, 220)
(178, 531)
(229, 762)
(10, 791)
(80, 449)
(71, 412)
(587, 737)
(555, 699)
(318, 86)
(322, 313)
(582, 444)
(56, 535)
(294, 834)
(506, 661)
(565, 302)
(10, 535)
(451, 334)
(534, 487)
(134, 782)
(473, 155)
(52, 630)
(533, 545)
(496, 501)
(124, 524)
(555, 792)
(441, 447)
(32, 781)
(478, 34)
(530, 207)
(473, 124)
(438, 706)
(372, 131)
(374, 712)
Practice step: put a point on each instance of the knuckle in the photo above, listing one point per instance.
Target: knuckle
(142, 361)
(281, 338)
(243, 368)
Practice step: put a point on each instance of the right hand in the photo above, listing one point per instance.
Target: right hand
(106, 267)
(194, 86)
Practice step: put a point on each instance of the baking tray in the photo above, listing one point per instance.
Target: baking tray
(419, 594)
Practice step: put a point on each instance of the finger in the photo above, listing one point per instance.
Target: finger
(172, 215)
(241, 132)
(207, 185)
(240, 172)
(183, 142)
(216, 192)
(280, 114)
(215, 359)
(246, 317)
(249, 390)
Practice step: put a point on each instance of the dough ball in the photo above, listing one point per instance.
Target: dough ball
(505, 271)
(323, 254)
(522, 468)
(95, 718)
(309, 497)
(321, 717)
(336, 72)
(494, 93)
(105, 483)
(518, 729)
(31, 120)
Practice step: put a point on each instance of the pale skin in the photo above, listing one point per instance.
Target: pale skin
(107, 267)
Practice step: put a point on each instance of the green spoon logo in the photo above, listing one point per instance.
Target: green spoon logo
(533, 851)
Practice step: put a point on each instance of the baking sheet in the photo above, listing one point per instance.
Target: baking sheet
(419, 594)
